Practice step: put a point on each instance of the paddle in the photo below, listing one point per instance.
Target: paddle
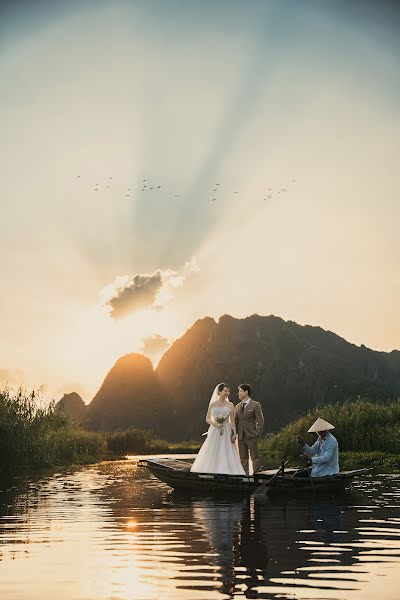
(310, 477)
(264, 488)
(309, 472)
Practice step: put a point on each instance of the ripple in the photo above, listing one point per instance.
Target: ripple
(111, 531)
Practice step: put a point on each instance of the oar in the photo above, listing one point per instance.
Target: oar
(264, 488)
(310, 477)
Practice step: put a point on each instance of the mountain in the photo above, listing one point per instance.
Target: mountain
(292, 368)
(130, 396)
(73, 406)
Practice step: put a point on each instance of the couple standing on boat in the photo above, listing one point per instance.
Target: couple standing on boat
(233, 434)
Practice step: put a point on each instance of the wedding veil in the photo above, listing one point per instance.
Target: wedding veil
(214, 396)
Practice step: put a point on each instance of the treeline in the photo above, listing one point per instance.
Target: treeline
(360, 426)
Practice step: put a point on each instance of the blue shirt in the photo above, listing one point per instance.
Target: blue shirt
(324, 455)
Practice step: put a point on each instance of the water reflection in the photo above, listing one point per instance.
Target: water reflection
(112, 531)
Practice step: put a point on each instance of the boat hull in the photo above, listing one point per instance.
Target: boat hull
(178, 476)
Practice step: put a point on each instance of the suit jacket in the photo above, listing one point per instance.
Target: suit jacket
(250, 422)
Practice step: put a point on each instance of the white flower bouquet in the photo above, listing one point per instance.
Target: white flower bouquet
(220, 420)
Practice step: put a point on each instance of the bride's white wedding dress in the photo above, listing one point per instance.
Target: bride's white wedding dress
(218, 454)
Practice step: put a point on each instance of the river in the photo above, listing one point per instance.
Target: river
(112, 531)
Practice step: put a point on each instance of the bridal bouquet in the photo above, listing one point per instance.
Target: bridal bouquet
(220, 420)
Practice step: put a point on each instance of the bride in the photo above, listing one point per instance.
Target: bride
(219, 453)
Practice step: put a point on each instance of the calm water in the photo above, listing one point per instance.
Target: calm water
(112, 531)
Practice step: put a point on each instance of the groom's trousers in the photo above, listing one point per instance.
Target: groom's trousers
(249, 445)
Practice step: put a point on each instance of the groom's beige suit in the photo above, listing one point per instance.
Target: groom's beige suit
(249, 421)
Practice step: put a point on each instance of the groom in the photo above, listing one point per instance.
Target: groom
(249, 420)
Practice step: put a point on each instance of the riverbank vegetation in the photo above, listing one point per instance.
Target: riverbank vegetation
(134, 441)
(33, 436)
(368, 433)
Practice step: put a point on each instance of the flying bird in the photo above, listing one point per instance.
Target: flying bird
(159, 187)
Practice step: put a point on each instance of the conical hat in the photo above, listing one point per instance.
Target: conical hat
(321, 425)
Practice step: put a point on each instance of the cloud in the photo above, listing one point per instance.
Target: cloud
(140, 292)
(191, 266)
(128, 295)
(154, 345)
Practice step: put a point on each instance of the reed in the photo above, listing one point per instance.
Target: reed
(360, 426)
(135, 441)
(35, 435)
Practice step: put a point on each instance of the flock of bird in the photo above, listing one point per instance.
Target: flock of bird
(145, 186)
(271, 193)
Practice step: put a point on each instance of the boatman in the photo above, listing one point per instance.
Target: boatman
(324, 454)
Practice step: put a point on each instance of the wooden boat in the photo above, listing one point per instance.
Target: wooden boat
(177, 474)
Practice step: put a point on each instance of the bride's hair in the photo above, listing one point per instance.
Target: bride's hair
(222, 386)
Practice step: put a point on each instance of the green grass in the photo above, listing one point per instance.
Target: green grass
(33, 436)
(373, 460)
(140, 441)
(362, 428)
(36, 436)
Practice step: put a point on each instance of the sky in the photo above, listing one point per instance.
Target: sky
(168, 160)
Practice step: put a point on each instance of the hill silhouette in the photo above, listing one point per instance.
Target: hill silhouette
(292, 369)
(130, 396)
(73, 406)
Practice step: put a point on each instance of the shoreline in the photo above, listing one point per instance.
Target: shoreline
(348, 460)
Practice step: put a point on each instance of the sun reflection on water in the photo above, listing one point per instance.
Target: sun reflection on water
(112, 531)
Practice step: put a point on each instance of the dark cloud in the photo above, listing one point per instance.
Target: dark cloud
(140, 292)
(154, 346)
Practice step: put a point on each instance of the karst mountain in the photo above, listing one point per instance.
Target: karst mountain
(291, 367)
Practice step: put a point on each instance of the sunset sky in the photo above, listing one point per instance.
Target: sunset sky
(193, 96)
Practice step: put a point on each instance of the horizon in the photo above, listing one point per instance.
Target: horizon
(166, 162)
